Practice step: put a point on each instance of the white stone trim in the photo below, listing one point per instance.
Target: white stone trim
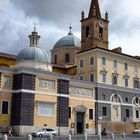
(113, 103)
(63, 95)
(82, 99)
(117, 95)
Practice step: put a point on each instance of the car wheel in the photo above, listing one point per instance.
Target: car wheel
(53, 134)
(40, 135)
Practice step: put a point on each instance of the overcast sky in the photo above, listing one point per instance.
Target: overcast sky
(53, 17)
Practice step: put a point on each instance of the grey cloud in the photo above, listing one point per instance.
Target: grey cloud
(60, 12)
(122, 21)
(64, 12)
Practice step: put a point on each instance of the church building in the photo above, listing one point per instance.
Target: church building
(85, 88)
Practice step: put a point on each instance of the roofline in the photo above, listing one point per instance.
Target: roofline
(78, 47)
(119, 53)
(63, 67)
(7, 55)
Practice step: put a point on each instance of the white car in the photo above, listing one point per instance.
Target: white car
(45, 132)
(136, 131)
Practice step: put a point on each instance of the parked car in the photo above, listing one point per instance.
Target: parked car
(136, 131)
(45, 132)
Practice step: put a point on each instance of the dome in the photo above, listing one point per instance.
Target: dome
(33, 53)
(68, 41)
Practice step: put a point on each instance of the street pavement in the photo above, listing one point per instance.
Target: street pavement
(129, 137)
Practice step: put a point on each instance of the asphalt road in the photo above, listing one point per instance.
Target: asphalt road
(130, 137)
(117, 138)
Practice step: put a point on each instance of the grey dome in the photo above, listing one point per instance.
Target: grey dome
(68, 41)
(33, 53)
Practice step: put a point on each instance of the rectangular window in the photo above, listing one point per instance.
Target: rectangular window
(104, 78)
(92, 77)
(127, 113)
(126, 82)
(136, 84)
(125, 66)
(103, 61)
(81, 77)
(46, 84)
(92, 60)
(137, 114)
(81, 63)
(5, 106)
(90, 114)
(69, 112)
(115, 64)
(115, 112)
(45, 109)
(6, 81)
(136, 68)
(114, 80)
(104, 111)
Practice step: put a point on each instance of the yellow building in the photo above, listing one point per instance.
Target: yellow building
(114, 74)
(7, 60)
(33, 97)
(85, 89)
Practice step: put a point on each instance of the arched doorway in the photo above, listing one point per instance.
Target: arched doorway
(136, 109)
(116, 108)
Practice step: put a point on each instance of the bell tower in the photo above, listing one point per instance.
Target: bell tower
(94, 28)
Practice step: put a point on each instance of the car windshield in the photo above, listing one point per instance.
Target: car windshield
(41, 130)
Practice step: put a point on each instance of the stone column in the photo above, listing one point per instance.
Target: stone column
(63, 106)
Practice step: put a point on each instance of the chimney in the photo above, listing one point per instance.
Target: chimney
(118, 50)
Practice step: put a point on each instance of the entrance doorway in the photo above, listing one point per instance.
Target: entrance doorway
(80, 123)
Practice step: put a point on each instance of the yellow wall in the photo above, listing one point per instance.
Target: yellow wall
(89, 105)
(98, 67)
(120, 69)
(11, 81)
(39, 120)
(5, 96)
(8, 62)
(86, 100)
(87, 69)
(5, 118)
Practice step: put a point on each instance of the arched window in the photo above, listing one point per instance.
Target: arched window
(67, 58)
(101, 32)
(116, 98)
(116, 109)
(136, 101)
(55, 59)
(136, 110)
(87, 31)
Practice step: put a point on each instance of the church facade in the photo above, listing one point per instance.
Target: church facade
(85, 88)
